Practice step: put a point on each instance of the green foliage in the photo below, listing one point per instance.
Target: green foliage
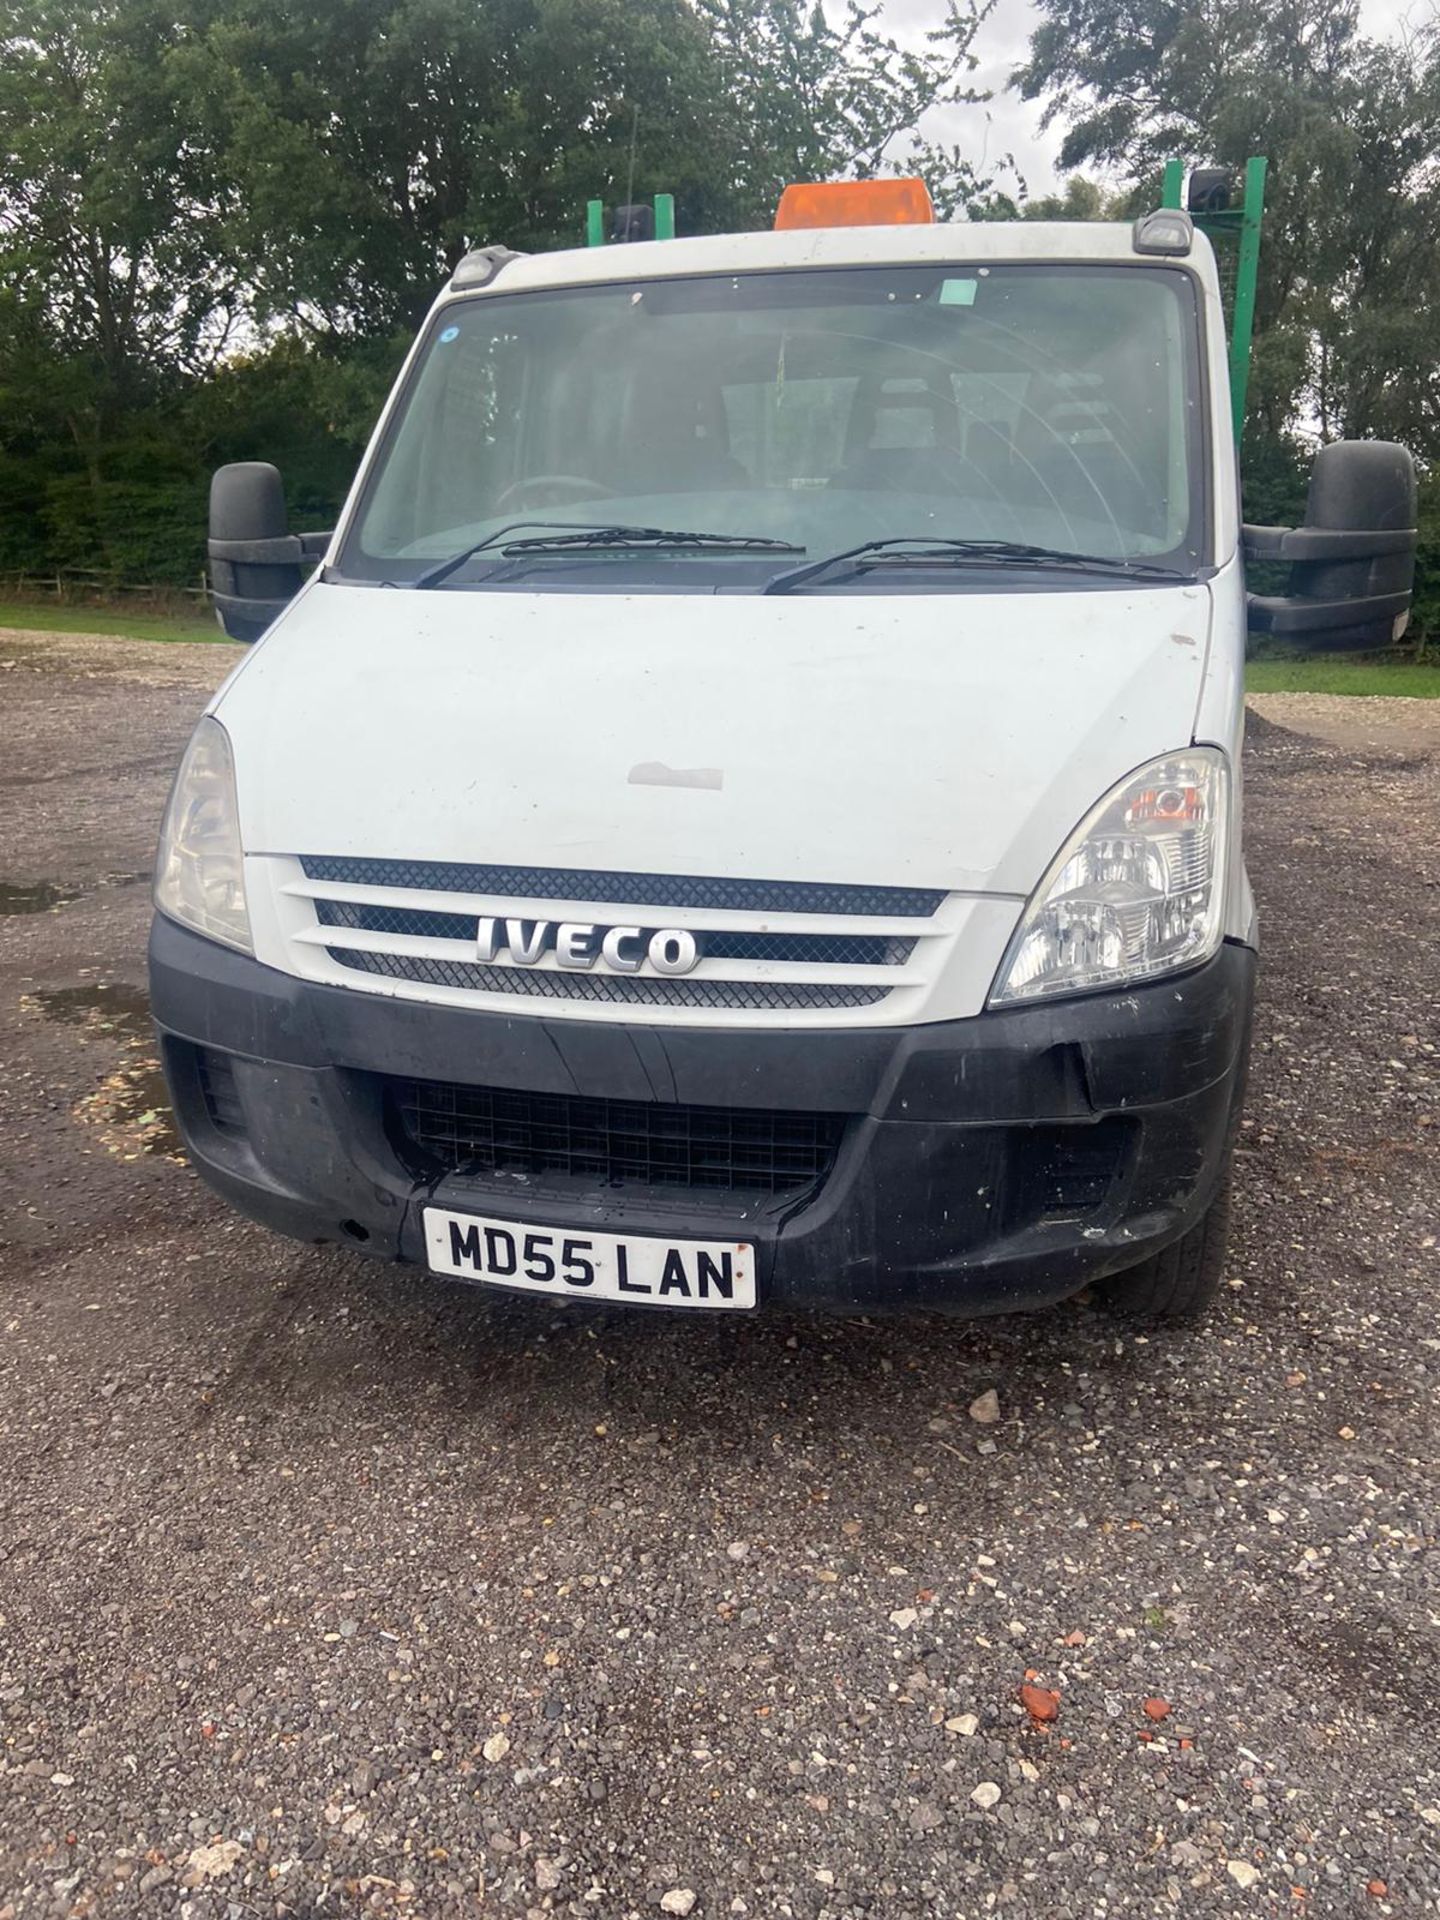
(367, 143)
(1351, 266)
(1080, 199)
(112, 262)
(1346, 336)
(220, 220)
(131, 530)
(817, 96)
(1425, 619)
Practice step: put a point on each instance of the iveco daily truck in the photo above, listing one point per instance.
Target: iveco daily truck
(747, 808)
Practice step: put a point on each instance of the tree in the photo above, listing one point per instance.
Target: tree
(368, 143)
(113, 283)
(107, 209)
(1080, 199)
(1350, 281)
(813, 97)
(221, 219)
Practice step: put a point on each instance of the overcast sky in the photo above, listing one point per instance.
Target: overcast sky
(1011, 125)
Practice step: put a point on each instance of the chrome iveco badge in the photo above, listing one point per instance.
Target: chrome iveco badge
(580, 945)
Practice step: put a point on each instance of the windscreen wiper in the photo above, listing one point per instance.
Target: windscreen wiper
(923, 550)
(442, 570)
(569, 536)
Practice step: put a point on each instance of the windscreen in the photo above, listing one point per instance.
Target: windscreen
(1049, 405)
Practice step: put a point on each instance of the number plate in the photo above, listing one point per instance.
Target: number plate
(591, 1266)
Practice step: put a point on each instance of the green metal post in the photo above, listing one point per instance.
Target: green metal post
(664, 216)
(1247, 274)
(594, 223)
(1173, 181)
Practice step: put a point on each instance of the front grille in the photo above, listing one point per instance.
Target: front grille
(615, 1142)
(816, 949)
(628, 889)
(722, 995)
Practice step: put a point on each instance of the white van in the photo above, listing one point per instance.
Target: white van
(747, 810)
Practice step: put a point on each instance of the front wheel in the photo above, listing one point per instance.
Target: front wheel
(1181, 1280)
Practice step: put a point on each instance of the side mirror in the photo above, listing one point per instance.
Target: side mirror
(257, 565)
(1352, 564)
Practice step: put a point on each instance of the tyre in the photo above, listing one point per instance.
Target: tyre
(1181, 1280)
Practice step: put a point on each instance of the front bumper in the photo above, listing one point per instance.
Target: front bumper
(986, 1164)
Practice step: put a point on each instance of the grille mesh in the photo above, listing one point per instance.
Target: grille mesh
(734, 995)
(822, 949)
(615, 1142)
(628, 889)
(414, 920)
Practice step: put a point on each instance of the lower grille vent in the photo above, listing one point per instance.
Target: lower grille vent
(219, 1092)
(1070, 1171)
(615, 1142)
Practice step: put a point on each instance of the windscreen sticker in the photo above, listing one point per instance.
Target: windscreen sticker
(958, 293)
(448, 334)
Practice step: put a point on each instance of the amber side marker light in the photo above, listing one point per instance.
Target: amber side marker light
(855, 203)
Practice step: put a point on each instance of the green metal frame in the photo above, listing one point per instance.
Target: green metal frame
(664, 220)
(1242, 224)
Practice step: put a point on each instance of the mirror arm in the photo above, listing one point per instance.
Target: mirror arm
(1326, 543)
(285, 550)
(244, 607)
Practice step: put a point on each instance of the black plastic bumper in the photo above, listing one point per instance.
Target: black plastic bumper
(987, 1164)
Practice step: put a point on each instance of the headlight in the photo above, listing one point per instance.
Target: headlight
(1137, 890)
(199, 870)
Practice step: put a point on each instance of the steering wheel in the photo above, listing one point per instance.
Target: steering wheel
(575, 484)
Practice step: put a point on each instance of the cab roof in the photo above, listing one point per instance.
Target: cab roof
(956, 242)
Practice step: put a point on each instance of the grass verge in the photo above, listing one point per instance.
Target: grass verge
(1405, 679)
(38, 617)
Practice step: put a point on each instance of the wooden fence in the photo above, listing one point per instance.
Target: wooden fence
(81, 584)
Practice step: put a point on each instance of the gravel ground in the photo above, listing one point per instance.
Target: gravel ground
(1358, 723)
(328, 1589)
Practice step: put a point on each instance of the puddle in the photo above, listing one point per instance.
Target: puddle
(33, 896)
(100, 1006)
(131, 1107)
